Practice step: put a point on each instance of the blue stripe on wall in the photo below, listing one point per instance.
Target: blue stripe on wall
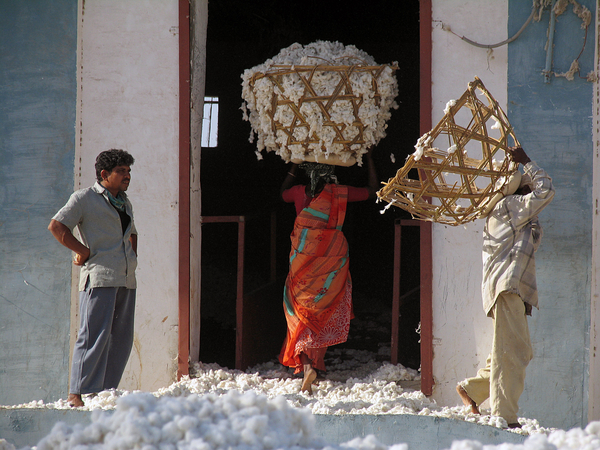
(553, 122)
(38, 49)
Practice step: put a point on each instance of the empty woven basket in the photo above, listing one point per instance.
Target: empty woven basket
(459, 165)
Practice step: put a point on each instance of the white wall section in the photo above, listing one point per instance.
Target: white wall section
(128, 99)
(461, 332)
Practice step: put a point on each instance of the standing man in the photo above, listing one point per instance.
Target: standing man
(511, 236)
(107, 255)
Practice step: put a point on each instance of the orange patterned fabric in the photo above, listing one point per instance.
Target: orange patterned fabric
(317, 297)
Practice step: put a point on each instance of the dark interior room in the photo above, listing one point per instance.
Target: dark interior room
(234, 182)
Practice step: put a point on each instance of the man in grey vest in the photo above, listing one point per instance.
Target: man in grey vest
(107, 255)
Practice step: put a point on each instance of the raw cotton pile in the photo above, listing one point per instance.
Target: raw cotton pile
(323, 102)
(355, 383)
(233, 421)
(239, 421)
(262, 408)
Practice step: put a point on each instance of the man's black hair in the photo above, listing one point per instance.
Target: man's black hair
(109, 159)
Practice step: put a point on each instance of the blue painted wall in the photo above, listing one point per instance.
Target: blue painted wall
(553, 122)
(38, 49)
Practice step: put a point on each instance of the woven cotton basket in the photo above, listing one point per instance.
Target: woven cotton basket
(322, 125)
(454, 162)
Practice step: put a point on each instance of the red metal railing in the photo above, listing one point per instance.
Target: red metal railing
(241, 348)
(425, 301)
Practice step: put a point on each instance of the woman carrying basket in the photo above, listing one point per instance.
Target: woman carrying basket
(317, 297)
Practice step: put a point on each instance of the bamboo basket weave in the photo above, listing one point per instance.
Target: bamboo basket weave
(454, 186)
(351, 137)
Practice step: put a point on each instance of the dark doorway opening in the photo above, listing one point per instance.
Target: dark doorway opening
(243, 34)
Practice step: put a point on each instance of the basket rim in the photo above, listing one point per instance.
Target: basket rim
(284, 69)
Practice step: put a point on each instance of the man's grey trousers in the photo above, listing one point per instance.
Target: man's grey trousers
(105, 339)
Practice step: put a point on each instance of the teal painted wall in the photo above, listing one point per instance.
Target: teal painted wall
(38, 55)
(553, 122)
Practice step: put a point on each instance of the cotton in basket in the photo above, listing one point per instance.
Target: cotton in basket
(323, 102)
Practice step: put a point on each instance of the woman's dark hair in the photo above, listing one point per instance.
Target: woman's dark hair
(109, 159)
(320, 175)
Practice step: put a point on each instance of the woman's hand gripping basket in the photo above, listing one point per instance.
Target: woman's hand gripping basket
(324, 102)
(460, 164)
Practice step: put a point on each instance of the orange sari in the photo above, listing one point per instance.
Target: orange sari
(317, 298)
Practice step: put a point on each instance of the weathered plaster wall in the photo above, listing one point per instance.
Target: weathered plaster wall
(461, 331)
(554, 122)
(594, 388)
(78, 78)
(129, 99)
(37, 139)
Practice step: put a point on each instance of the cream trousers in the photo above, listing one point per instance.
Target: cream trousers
(503, 378)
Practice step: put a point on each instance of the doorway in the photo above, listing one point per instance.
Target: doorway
(244, 34)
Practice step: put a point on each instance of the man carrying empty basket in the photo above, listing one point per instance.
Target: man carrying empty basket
(511, 236)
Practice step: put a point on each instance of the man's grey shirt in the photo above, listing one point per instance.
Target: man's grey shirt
(112, 261)
(511, 236)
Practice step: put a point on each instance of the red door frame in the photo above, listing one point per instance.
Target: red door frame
(425, 102)
(184, 291)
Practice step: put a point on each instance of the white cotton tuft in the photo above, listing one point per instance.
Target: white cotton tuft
(418, 153)
(423, 142)
(399, 447)
(369, 442)
(466, 444)
(4, 445)
(449, 105)
(593, 428)
(388, 206)
(497, 125)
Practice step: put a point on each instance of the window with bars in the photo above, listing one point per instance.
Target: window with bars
(210, 122)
